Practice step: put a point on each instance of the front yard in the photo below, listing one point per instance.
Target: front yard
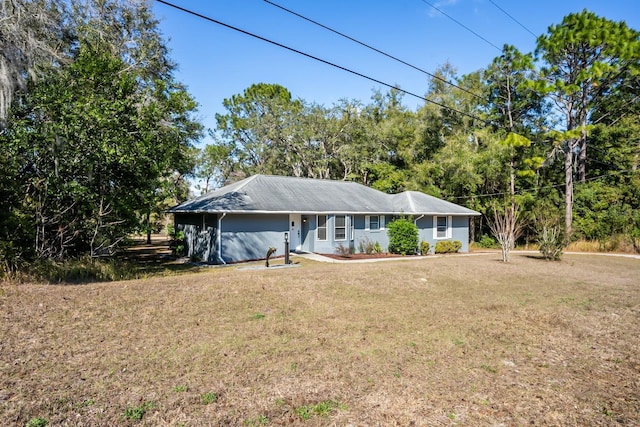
(462, 340)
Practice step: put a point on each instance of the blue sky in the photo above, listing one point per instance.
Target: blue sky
(216, 62)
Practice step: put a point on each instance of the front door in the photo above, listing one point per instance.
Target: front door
(295, 232)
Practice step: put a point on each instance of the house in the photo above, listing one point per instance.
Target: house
(241, 221)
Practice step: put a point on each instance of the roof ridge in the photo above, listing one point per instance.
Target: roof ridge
(247, 181)
(410, 200)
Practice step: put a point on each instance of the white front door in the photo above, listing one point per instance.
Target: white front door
(295, 232)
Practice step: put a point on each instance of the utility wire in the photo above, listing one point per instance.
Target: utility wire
(321, 60)
(462, 25)
(512, 18)
(374, 49)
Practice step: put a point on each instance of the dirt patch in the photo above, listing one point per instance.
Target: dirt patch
(451, 341)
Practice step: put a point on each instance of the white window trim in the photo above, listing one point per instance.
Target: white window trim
(449, 233)
(346, 229)
(326, 227)
(352, 231)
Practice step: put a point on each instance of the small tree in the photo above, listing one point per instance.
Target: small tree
(403, 236)
(506, 227)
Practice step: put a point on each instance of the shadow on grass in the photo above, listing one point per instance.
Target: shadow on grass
(542, 258)
(137, 261)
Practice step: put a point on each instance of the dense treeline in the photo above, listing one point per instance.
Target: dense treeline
(552, 134)
(97, 134)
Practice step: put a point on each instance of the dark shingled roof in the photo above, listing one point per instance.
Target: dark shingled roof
(281, 194)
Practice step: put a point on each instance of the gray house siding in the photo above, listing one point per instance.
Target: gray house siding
(459, 230)
(330, 244)
(308, 233)
(362, 235)
(425, 231)
(249, 236)
(199, 235)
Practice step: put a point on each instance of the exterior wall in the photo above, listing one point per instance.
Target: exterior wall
(243, 237)
(308, 232)
(199, 235)
(425, 231)
(249, 236)
(310, 242)
(362, 235)
(459, 231)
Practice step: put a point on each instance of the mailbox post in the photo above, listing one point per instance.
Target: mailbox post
(286, 248)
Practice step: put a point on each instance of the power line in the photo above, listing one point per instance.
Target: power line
(182, 9)
(512, 18)
(462, 25)
(374, 49)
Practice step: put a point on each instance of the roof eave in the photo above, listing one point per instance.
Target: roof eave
(323, 212)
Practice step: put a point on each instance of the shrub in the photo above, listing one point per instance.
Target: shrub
(448, 246)
(551, 243)
(343, 250)
(487, 242)
(366, 246)
(177, 243)
(403, 237)
(424, 247)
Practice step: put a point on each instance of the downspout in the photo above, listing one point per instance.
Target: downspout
(415, 222)
(219, 237)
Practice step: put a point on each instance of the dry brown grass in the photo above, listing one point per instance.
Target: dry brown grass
(442, 341)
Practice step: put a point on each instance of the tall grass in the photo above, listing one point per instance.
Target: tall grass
(616, 243)
(85, 269)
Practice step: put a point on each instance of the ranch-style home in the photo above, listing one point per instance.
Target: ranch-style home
(239, 222)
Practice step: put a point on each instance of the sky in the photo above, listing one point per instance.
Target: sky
(216, 62)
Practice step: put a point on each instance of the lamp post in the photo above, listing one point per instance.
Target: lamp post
(286, 248)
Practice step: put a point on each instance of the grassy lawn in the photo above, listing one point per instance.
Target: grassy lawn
(443, 341)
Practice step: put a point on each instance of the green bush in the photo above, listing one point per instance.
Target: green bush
(448, 246)
(177, 242)
(424, 247)
(487, 242)
(403, 237)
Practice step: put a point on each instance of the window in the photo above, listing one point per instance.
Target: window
(374, 222)
(441, 227)
(322, 227)
(340, 227)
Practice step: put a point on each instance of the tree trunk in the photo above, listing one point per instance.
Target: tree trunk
(472, 229)
(582, 158)
(149, 227)
(568, 189)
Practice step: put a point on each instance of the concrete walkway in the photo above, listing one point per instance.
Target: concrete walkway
(322, 258)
